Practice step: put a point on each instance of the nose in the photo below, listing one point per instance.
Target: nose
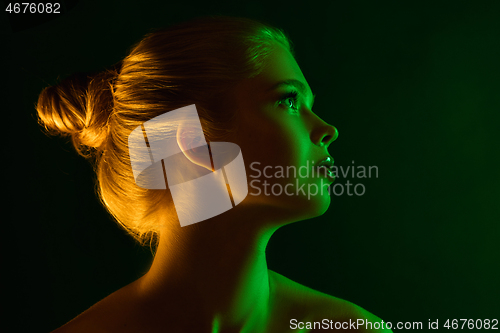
(324, 134)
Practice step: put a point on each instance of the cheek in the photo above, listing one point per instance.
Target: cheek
(272, 137)
(272, 145)
(293, 143)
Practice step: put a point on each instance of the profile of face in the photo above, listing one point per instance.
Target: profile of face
(278, 131)
(282, 141)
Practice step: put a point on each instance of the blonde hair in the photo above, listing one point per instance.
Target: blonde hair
(196, 62)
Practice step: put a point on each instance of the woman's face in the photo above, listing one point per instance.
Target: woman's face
(282, 140)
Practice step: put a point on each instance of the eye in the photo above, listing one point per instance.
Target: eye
(289, 100)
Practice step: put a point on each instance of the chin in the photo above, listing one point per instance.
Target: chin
(293, 206)
(307, 208)
(320, 204)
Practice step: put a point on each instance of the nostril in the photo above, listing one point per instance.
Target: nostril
(330, 137)
(324, 134)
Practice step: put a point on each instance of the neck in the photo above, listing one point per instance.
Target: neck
(215, 270)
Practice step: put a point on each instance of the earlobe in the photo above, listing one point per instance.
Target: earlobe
(194, 146)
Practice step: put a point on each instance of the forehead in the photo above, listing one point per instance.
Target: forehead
(281, 66)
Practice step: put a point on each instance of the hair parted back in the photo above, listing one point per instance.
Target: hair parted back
(195, 62)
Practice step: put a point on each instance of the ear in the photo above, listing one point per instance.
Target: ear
(192, 143)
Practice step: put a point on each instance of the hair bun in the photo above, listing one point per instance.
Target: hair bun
(79, 107)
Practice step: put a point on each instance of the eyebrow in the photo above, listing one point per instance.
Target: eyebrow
(294, 83)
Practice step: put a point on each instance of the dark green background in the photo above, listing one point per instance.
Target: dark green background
(413, 88)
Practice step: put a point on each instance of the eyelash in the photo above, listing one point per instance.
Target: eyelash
(293, 95)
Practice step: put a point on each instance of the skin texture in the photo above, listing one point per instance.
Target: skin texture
(212, 276)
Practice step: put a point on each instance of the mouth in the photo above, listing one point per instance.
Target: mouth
(324, 167)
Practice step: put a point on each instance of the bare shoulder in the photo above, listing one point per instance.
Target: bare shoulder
(345, 315)
(87, 321)
(105, 316)
(310, 309)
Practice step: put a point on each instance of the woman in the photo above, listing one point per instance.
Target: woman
(208, 276)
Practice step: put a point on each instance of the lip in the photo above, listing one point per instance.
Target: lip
(327, 163)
